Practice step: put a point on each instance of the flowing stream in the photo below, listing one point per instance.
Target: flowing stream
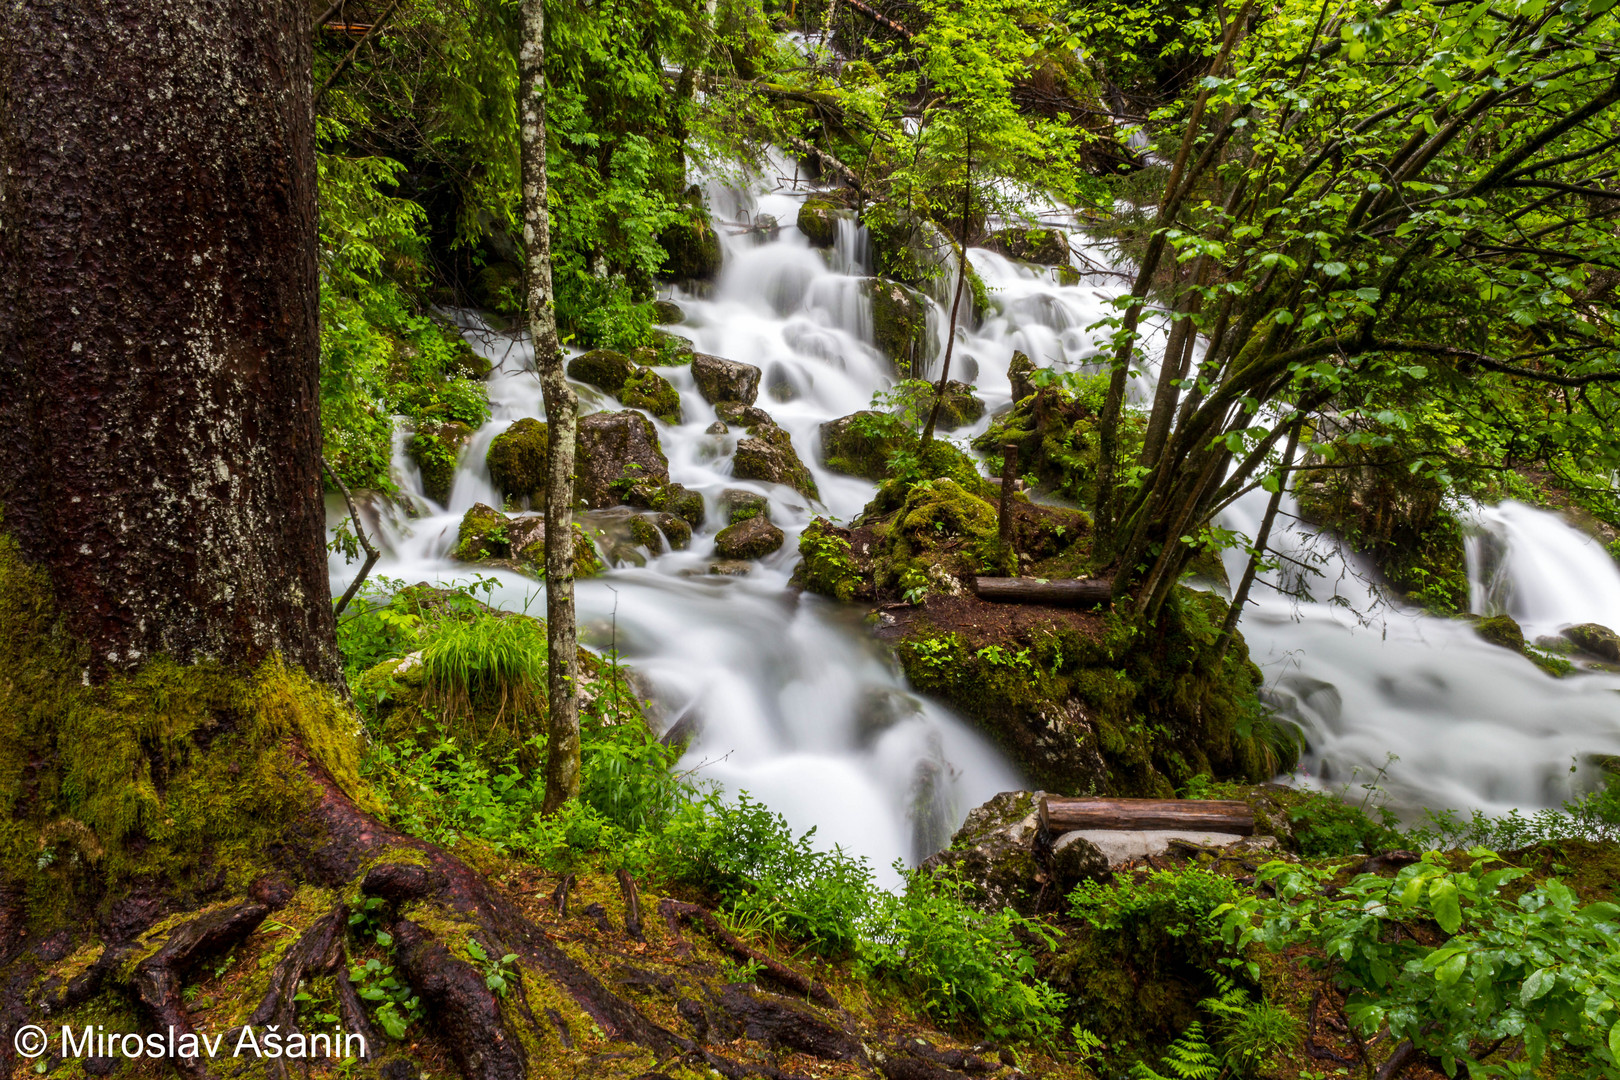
(794, 703)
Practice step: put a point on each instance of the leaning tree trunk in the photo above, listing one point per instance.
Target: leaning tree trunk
(562, 414)
(159, 424)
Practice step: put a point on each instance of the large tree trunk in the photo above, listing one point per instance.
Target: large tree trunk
(159, 427)
(562, 414)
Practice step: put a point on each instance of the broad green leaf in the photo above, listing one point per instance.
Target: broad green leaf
(1447, 908)
(1540, 981)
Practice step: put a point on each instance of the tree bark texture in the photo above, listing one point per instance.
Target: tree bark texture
(562, 415)
(1209, 815)
(1059, 592)
(159, 412)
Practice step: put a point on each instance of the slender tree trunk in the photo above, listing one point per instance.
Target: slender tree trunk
(956, 301)
(562, 416)
(1262, 538)
(159, 412)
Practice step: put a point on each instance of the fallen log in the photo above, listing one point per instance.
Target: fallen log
(1061, 815)
(1059, 592)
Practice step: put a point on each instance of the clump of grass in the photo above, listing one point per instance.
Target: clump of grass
(494, 661)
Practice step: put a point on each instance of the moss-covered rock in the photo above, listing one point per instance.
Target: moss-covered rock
(899, 324)
(646, 534)
(829, 565)
(911, 250)
(818, 220)
(752, 538)
(668, 313)
(721, 380)
(767, 454)
(940, 529)
(996, 852)
(498, 287)
(670, 350)
(1047, 246)
(1501, 630)
(676, 530)
(616, 451)
(1394, 517)
(676, 499)
(1595, 639)
(736, 414)
(490, 538)
(435, 449)
(959, 407)
(601, 368)
(739, 505)
(1092, 705)
(646, 389)
(517, 461)
(1055, 431)
(860, 444)
(691, 246)
(1019, 372)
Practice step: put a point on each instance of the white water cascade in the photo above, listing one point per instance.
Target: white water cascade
(797, 705)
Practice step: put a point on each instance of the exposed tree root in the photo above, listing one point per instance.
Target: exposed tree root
(674, 912)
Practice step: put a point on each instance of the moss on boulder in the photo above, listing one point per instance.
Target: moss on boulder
(601, 368)
(435, 449)
(1501, 630)
(517, 461)
(646, 389)
(1595, 639)
(721, 380)
(676, 499)
(1055, 431)
(828, 564)
(818, 220)
(959, 407)
(691, 246)
(899, 324)
(739, 505)
(752, 538)
(490, 538)
(860, 444)
(767, 454)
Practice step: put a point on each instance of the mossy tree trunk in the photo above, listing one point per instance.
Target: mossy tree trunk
(562, 414)
(159, 415)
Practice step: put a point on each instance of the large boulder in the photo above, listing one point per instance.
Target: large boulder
(959, 407)
(911, 250)
(752, 538)
(860, 444)
(1501, 630)
(435, 448)
(601, 368)
(818, 220)
(1047, 246)
(899, 324)
(1596, 639)
(676, 499)
(739, 505)
(721, 380)
(767, 454)
(1000, 851)
(614, 452)
(517, 461)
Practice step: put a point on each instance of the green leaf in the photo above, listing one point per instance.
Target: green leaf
(1447, 909)
(1450, 971)
(1540, 981)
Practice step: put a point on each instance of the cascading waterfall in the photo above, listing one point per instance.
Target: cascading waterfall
(794, 703)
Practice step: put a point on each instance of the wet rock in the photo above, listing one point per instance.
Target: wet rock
(818, 220)
(899, 324)
(959, 408)
(999, 850)
(719, 379)
(676, 530)
(468, 364)
(616, 451)
(1047, 246)
(731, 568)
(670, 350)
(668, 313)
(634, 386)
(1501, 630)
(739, 505)
(1019, 371)
(783, 385)
(646, 534)
(646, 389)
(860, 444)
(752, 538)
(517, 461)
(1596, 639)
(602, 368)
(764, 227)
(435, 448)
(676, 499)
(717, 428)
(490, 538)
(740, 415)
(913, 251)
(767, 454)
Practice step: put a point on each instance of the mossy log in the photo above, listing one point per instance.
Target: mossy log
(1070, 592)
(1205, 815)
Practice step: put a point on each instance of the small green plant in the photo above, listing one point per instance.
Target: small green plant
(1190, 1057)
(492, 660)
(936, 653)
(913, 585)
(395, 1006)
(498, 974)
(996, 656)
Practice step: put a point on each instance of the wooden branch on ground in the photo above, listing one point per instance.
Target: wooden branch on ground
(1200, 815)
(1059, 592)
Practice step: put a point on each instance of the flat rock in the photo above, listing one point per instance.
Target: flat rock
(1120, 846)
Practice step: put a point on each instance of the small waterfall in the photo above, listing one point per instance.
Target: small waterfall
(798, 706)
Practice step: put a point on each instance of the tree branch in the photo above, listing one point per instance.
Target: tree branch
(372, 554)
(1490, 363)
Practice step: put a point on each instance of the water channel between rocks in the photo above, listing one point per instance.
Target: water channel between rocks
(796, 704)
